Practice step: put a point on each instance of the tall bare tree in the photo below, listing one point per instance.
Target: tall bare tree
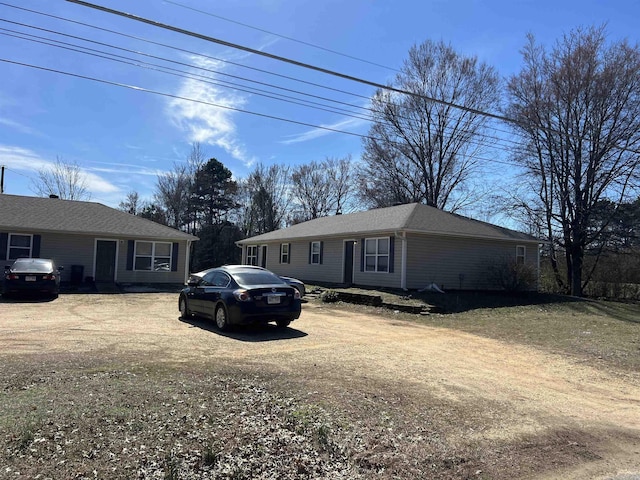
(64, 179)
(322, 188)
(131, 204)
(419, 150)
(578, 114)
(264, 197)
(172, 194)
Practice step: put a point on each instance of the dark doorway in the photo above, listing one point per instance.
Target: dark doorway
(263, 260)
(348, 262)
(105, 260)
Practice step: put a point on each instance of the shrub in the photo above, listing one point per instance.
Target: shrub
(329, 296)
(511, 276)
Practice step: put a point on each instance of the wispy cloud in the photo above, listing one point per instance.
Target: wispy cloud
(205, 123)
(23, 159)
(17, 126)
(348, 123)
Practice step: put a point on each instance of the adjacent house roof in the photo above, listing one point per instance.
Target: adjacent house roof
(37, 214)
(412, 217)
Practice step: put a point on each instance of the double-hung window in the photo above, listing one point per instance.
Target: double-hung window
(521, 252)
(19, 246)
(153, 256)
(284, 253)
(252, 255)
(376, 254)
(315, 253)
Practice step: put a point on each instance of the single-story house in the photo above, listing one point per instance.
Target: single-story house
(407, 246)
(92, 241)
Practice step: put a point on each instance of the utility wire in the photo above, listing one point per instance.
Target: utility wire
(297, 63)
(281, 36)
(178, 97)
(205, 79)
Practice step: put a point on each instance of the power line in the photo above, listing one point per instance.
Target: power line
(204, 79)
(178, 97)
(282, 36)
(297, 63)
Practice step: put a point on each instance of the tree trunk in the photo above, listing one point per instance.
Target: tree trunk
(577, 256)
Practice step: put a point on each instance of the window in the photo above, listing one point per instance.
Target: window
(19, 246)
(153, 256)
(284, 253)
(521, 253)
(315, 253)
(376, 254)
(252, 255)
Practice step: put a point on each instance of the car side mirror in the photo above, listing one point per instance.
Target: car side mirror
(192, 283)
(60, 267)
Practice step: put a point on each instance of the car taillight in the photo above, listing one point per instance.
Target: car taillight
(11, 276)
(242, 295)
(49, 277)
(296, 294)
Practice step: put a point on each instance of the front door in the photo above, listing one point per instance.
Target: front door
(348, 262)
(105, 260)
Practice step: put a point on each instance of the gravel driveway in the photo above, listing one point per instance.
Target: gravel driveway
(523, 391)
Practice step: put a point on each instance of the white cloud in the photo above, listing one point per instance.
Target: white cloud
(206, 123)
(17, 126)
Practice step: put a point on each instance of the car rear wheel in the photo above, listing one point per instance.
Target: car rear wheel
(222, 320)
(283, 323)
(184, 309)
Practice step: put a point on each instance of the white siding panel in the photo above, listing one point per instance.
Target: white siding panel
(68, 250)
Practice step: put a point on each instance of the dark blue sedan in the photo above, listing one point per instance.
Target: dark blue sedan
(32, 275)
(240, 294)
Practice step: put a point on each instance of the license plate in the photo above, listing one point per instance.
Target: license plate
(272, 299)
(29, 278)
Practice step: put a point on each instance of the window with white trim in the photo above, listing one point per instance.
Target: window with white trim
(19, 246)
(521, 253)
(376, 254)
(252, 255)
(315, 253)
(153, 256)
(284, 253)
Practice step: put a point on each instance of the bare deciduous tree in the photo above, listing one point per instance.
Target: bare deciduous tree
(322, 188)
(578, 113)
(419, 150)
(264, 198)
(64, 179)
(131, 204)
(172, 194)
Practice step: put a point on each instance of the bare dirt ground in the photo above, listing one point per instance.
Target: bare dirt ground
(532, 413)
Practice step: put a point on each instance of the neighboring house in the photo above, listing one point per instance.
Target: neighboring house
(92, 240)
(407, 246)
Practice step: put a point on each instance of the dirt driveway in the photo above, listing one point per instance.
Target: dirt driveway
(515, 390)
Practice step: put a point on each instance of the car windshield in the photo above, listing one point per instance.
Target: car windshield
(32, 265)
(259, 277)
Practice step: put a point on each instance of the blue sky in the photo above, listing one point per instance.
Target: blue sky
(123, 138)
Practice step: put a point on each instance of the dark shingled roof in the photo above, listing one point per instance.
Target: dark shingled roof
(411, 217)
(37, 214)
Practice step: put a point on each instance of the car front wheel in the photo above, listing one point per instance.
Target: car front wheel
(222, 320)
(184, 309)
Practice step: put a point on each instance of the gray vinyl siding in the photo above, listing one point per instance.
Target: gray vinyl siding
(329, 271)
(457, 263)
(68, 250)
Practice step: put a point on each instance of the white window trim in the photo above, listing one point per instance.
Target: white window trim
(377, 255)
(522, 256)
(254, 256)
(152, 256)
(284, 256)
(7, 253)
(313, 244)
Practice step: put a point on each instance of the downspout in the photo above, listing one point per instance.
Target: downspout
(403, 263)
(186, 261)
(538, 276)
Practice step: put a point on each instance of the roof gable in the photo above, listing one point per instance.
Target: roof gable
(411, 217)
(37, 214)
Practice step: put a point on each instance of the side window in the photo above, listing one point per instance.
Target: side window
(376, 254)
(284, 253)
(315, 253)
(208, 279)
(220, 279)
(521, 253)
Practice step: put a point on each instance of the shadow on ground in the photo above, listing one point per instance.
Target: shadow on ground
(247, 333)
